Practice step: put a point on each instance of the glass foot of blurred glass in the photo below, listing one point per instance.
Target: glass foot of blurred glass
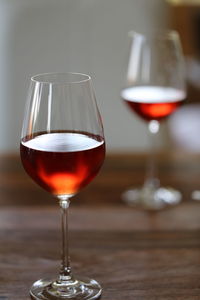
(196, 195)
(150, 198)
(77, 290)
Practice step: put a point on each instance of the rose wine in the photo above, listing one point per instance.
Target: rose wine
(63, 162)
(153, 102)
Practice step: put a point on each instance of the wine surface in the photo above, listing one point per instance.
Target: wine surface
(64, 162)
(153, 102)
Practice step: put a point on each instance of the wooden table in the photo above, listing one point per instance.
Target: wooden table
(134, 254)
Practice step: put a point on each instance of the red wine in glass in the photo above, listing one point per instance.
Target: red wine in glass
(155, 88)
(153, 102)
(62, 149)
(63, 162)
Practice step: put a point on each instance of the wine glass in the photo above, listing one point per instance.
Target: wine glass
(155, 88)
(62, 149)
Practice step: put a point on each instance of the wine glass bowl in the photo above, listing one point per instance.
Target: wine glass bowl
(155, 88)
(62, 149)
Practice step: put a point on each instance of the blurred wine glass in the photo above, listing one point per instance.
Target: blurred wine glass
(155, 88)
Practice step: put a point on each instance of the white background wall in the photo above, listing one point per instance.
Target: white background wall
(88, 36)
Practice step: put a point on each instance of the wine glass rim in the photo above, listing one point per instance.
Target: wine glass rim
(38, 78)
(156, 33)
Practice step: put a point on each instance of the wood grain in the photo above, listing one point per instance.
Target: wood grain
(134, 254)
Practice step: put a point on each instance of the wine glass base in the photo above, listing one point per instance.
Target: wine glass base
(152, 198)
(77, 290)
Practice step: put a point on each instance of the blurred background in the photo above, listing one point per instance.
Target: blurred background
(91, 36)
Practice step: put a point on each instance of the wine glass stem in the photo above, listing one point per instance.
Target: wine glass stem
(65, 270)
(151, 179)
